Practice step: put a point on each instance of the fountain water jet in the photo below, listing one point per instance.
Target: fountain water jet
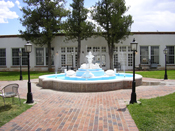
(123, 60)
(56, 63)
(89, 78)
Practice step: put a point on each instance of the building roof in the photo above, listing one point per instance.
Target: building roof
(134, 33)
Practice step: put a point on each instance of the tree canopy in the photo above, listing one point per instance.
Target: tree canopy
(77, 27)
(115, 26)
(42, 20)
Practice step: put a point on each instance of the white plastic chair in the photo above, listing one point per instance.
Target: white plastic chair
(10, 90)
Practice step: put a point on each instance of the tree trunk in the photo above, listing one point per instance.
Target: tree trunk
(110, 48)
(111, 51)
(49, 57)
(78, 52)
(111, 57)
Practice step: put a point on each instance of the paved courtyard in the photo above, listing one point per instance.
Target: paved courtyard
(69, 111)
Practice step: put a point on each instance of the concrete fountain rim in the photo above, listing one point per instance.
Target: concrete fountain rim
(88, 86)
(43, 78)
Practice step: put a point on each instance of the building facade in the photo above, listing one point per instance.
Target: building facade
(150, 51)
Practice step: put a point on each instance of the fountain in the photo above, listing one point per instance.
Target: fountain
(56, 63)
(89, 78)
(123, 60)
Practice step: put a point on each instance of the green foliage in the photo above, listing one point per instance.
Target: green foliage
(42, 20)
(11, 76)
(157, 74)
(10, 111)
(109, 14)
(154, 114)
(77, 27)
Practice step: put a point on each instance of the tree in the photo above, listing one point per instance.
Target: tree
(115, 26)
(42, 19)
(77, 27)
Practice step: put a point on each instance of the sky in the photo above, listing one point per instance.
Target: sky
(148, 15)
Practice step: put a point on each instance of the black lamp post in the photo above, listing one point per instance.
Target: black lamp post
(72, 60)
(28, 49)
(165, 51)
(134, 49)
(20, 54)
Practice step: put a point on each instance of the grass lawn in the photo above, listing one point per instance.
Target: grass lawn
(152, 114)
(11, 76)
(156, 114)
(156, 74)
(10, 111)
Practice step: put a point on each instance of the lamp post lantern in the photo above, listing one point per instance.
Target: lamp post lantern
(20, 54)
(165, 51)
(133, 45)
(28, 49)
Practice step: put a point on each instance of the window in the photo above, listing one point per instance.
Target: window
(155, 54)
(63, 60)
(115, 49)
(42, 56)
(103, 60)
(76, 49)
(123, 58)
(66, 56)
(63, 49)
(24, 57)
(96, 59)
(76, 56)
(39, 56)
(144, 55)
(69, 59)
(52, 56)
(70, 49)
(96, 49)
(115, 58)
(170, 56)
(103, 49)
(2, 56)
(129, 49)
(122, 48)
(15, 56)
(149, 54)
(88, 49)
(129, 59)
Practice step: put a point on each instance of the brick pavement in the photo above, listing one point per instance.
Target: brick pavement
(68, 111)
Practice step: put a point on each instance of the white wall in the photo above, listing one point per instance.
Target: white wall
(148, 39)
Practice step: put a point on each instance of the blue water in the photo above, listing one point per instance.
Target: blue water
(63, 77)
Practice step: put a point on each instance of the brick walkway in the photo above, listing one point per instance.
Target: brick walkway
(103, 111)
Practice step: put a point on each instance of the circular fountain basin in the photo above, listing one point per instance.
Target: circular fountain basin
(61, 82)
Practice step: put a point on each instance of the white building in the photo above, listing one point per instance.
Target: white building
(150, 50)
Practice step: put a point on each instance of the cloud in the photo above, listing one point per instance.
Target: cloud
(5, 12)
(18, 4)
(89, 19)
(152, 15)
